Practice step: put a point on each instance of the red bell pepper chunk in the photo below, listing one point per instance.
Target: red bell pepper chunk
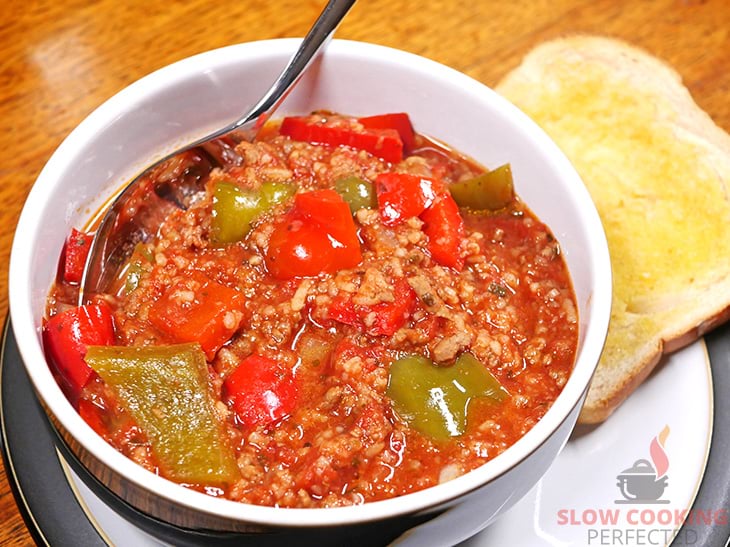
(402, 195)
(76, 251)
(383, 143)
(445, 230)
(66, 336)
(260, 391)
(316, 236)
(208, 318)
(327, 209)
(388, 317)
(92, 415)
(398, 121)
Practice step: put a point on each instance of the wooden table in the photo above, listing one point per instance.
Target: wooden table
(60, 59)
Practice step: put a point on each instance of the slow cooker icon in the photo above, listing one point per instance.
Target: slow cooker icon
(640, 484)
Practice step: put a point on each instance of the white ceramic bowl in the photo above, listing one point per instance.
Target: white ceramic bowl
(191, 97)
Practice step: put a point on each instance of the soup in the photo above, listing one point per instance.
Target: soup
(348, 312)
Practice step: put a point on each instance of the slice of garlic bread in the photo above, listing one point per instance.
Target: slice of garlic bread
(658, 169)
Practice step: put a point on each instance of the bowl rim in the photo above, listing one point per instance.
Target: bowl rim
(28, 335)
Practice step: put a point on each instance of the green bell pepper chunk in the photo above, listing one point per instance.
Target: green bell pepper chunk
(134, 275)
(273, 193)
(357, 193)
(487, 192)
(434, 399)
(136, 268)
(234, 208)
(165, 389)
(233, 211)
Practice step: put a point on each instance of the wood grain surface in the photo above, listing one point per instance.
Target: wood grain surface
(61, 59)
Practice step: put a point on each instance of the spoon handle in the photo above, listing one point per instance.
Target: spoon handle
(137, 212)
(315, 40)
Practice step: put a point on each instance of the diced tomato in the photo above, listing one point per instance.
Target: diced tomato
(398, 121)
(445, 230)
(317, 235)
(402, 196)
(210, 318)
(260, 391)
(66, 336)
(76, 251)
(342, 309)
(388, 316)
(383, 143)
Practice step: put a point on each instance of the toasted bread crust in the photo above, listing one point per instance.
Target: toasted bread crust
(658, 169)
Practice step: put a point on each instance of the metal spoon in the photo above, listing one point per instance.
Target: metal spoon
(176, 180)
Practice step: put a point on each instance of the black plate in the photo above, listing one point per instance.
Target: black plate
(54, 516)
(714, 492)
